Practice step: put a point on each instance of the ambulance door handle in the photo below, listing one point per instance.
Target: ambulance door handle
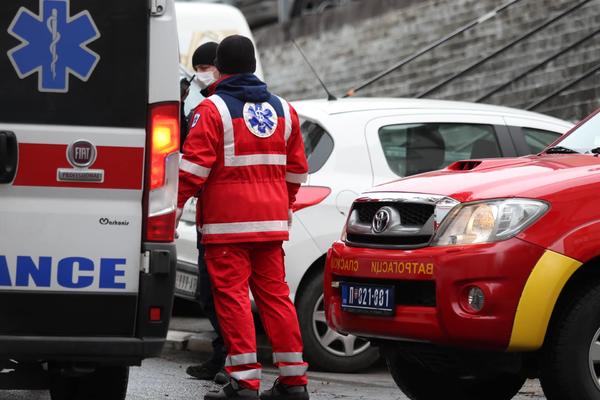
(8, 156)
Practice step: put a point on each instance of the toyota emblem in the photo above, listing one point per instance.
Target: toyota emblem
(381, 220)
(81, 154)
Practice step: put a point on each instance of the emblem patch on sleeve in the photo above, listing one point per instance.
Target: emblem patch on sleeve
(260, 119)
(196, 119)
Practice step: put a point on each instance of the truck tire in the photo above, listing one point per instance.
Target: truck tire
(571, 354)
(105, 383)
(421, 383)
(325, 349)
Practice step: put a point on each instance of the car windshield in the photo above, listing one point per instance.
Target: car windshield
(585, 138)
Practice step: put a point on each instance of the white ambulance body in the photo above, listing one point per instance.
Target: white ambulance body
(89, 140)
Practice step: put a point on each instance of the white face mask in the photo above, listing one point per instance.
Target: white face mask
(205, 79)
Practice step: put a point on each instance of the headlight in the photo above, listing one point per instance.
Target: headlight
(489, 221)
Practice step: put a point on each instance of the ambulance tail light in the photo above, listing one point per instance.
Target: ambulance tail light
(309, 196)
(162, 172)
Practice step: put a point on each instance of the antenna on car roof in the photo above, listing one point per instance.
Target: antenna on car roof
(330, 97)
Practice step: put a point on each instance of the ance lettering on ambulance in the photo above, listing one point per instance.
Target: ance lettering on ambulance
(68, 273)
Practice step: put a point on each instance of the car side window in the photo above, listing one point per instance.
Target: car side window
(318, 145)
(416, 148)
(538, 139)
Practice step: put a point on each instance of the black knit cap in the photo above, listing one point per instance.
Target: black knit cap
(205, 54)
(235, 55)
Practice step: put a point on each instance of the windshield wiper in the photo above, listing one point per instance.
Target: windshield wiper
(560, 150)
(595, 151)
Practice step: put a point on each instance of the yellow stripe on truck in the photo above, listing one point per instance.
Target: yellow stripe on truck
(539, 297)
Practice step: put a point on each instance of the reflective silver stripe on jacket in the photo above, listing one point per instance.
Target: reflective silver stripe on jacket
(231, 160)
(293, 370)
(295, 178)
(245, 227)
(194, 169)
(288, 118)
(287, 357)
(240, 359)
(246, 375)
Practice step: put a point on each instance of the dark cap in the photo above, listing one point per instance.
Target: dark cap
(235, 55)
(205, 54)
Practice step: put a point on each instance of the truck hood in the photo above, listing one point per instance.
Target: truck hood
(540, 177)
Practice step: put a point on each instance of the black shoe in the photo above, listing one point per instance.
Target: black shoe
(279, 391)
(221, 377)
(232, 391)
(205, 371)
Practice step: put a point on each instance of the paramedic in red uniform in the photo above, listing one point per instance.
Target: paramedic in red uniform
(246, 155)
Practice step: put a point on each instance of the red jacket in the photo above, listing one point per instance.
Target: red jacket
(245, 152)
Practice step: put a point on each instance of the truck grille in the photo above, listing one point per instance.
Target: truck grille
(411, 224)
(405, 241)
(412, 214)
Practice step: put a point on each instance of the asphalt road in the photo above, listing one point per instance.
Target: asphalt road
(165, 378)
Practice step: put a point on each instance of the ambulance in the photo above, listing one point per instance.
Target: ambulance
(89, 141)
(478, 276)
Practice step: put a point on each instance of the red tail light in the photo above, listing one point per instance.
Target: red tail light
(309, 196)
(161, 228)
(164, 128)
(162, 165)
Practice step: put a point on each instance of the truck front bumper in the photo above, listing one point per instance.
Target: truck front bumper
(500, 270)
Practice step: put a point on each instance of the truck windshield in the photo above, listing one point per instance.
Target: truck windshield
(585, 138)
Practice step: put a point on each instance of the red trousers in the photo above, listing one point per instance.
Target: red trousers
(233, 269)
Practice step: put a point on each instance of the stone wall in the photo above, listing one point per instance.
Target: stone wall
(351, 44)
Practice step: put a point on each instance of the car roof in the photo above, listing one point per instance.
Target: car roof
(361, 104)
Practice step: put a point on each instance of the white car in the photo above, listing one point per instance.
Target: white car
(352, 145)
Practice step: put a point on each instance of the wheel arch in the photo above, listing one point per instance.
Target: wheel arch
(585, 276)
(315, 268)
(550, 288)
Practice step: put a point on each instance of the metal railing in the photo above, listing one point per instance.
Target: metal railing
(503, 48)
(433, 45)
(566, 86)
(537, 66)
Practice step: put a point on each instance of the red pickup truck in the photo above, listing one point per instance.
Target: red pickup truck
(473, 278)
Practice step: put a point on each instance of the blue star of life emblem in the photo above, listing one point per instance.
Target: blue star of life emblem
(260, 118)
(53, 45)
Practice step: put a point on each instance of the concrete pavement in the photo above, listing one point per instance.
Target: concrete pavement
(195, 335)
(165, 378)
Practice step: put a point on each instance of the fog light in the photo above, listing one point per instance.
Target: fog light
(476, 299)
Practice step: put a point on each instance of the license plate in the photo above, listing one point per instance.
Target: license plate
(186, 283)
(368, 299)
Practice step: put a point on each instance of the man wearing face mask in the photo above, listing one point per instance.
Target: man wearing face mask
(206, 77)
(203, 61)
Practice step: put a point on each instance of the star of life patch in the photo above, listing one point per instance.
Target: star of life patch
(260, 119)
(196, 119)
(53, 45)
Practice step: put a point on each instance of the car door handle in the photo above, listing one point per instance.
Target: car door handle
(8, 156)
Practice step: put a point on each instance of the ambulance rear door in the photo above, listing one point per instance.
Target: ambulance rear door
(73, 112)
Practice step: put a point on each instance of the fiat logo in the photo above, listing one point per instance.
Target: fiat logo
(81, 154)
(381, 220)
